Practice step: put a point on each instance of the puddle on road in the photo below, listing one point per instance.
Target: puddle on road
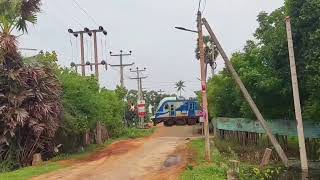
(172, 160)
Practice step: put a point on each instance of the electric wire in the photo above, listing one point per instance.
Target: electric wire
(85, 12)
(102, 49)
(77, 49)
(61, 9)
(87, 48)
(117, 70)
(199, 5)
(91, 49)
(72, 49)
(204, 6)
(105, 46)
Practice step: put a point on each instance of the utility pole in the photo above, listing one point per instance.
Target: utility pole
(204, 88)
(161, 91)
(139, 83)
(82, 61)
(88, 63)
(83, 69)
(296, 98)
(138, 78)
(121, 65)
(246, 95)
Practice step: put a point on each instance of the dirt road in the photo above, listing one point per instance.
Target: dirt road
(161, 156)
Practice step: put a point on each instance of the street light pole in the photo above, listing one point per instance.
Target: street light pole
(204, 88)
(203, 68)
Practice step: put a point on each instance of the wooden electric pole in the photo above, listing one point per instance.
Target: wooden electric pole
(296, 98)
(121, 65)
(96, 60)
(139, 83)
(83, 65)
(204, 88)
(83, 69)
(246, 95)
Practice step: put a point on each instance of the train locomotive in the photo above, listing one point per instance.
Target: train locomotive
(177, 111)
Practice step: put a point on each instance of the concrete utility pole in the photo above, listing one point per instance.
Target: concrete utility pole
(247, 96)
(139, 83)
(296, 98)
(121, 65)
(204, 88)
(82, 61)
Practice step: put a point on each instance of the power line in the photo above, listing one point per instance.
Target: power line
(85, 12)
(204, 6)
(117, 70)
(60, 8)
(199, 5)
(72, 55)
(121, 65)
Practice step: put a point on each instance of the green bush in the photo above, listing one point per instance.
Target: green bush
(137, 133)
(217, 169)
(85, 103)
(254, 173)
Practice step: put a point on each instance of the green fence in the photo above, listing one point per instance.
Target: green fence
(278, 126)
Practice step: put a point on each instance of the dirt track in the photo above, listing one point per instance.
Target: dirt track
(132, 159)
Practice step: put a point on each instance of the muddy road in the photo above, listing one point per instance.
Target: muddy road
(161, 156)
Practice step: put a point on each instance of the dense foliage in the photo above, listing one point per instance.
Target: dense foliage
(30, 105)
(85, 104)
(264, 67)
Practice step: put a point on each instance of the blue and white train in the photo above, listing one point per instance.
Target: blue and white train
(173, 110)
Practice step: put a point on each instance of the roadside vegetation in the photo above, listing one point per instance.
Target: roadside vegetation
(47, 109)
(264, 67)
(222, 160)
(54, 164)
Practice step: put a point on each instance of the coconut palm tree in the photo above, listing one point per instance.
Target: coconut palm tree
(180, 86)
(30, 106)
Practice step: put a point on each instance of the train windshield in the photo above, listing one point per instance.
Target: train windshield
(164, 100)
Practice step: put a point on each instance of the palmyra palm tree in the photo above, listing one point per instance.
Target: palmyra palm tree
(180, 86)
(30, 105)
(15, 15)
(210, 50)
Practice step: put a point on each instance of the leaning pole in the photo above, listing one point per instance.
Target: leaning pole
(247, 96)
(296, 98)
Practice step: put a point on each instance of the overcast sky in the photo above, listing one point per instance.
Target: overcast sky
(147, 28)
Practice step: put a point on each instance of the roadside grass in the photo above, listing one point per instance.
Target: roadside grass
(53, 165)
(29, 172)
(217, 169)
(131, 133)
(199, 169)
